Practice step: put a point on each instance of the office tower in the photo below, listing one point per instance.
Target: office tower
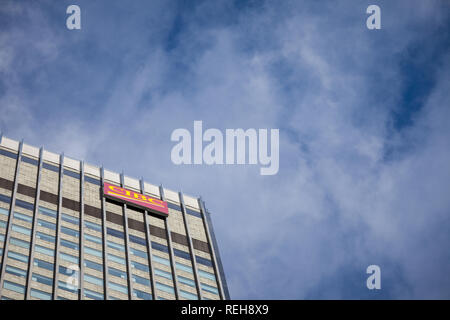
(71, 230)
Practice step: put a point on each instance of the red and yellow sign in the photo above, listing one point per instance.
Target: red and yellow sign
(146, 202)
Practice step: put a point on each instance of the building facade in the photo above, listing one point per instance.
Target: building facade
(62, 238)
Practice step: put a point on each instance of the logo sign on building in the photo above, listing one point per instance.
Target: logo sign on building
(140, 200)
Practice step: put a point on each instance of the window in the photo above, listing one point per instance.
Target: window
(43, 264)
(142, 295)
(70, 232)
(183, 267)
(116, 246)
(138, 253)
(93, 226)
(69, 244)
(24, 204)
(8, 154)
(206, 275)
(70, 219)
(118, 287)
(46, 224)
(64, 286)
(3, 224)
(117, 273)
(139, 266)
(137, 240)
(4, 198)
(41, 279)
(67, 271)
(203, 261)
(93, 280)
(40, 294)
(17, 256)
(94, 239)
(68, 257)
(188, 295)
(186, 281)
(140, 280)
(44, 250)
(209, 288)
(47, 212)
(161, 260)
(30, 161)
(115, 233)
(13, 287)
(91, 180)
(193, 213)
(164, 288)
(92, 251)
(16, 271)
(93, 265)
(181, 254)
(45, 237)
(19, 243)
(173, 206)
(2, 237)
(4, 212)
(48, 166)
(116, 259)
(23, 217)
(92, 294)
(21, 229)
(162, 273)
(160, 247)
(72, 174)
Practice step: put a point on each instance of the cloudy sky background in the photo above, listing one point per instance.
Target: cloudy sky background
(363, 116)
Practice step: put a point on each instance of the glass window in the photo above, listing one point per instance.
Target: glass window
(181, 254)
(160, 247)
(142, 295)
(65, 286)
(16, 271)
(164, 288)
(117, 273)
(137, 240)
(173, 206)
(118, 287)
(115, 233)
(193, 213)
(186, 281)
(203, 261)
(17, 256)
(21, 229)
(23, 217)
(209, 288)
(3, 224)
(44, 250)
(70, 232)
(40, 294)
(45, 237)
(93, 226)
(67, 271)
(91, 238)
(2, 237)
(46, 224)
(162, 273)
(30, 161)
(4, 198)
(69, 244)
(72, 174)
(138, 253)
(139, 266)
(8, 154)
(24, 204)
(48, 166)
(93, 295)
(206, 275)
(188, 295)
(91, 180)
(43, 264)
(70, 219)
(93, 265)
(163, 261)
(116, 246)
(13, 286)
(19, 243)
(140, 280)
(4, 212)
(93, 280)
(47, 212)
(41, 279)
(183, 267)
(68, 257)
(92, 251)
(116, 259)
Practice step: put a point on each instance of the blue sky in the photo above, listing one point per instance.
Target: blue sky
(363, 118)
